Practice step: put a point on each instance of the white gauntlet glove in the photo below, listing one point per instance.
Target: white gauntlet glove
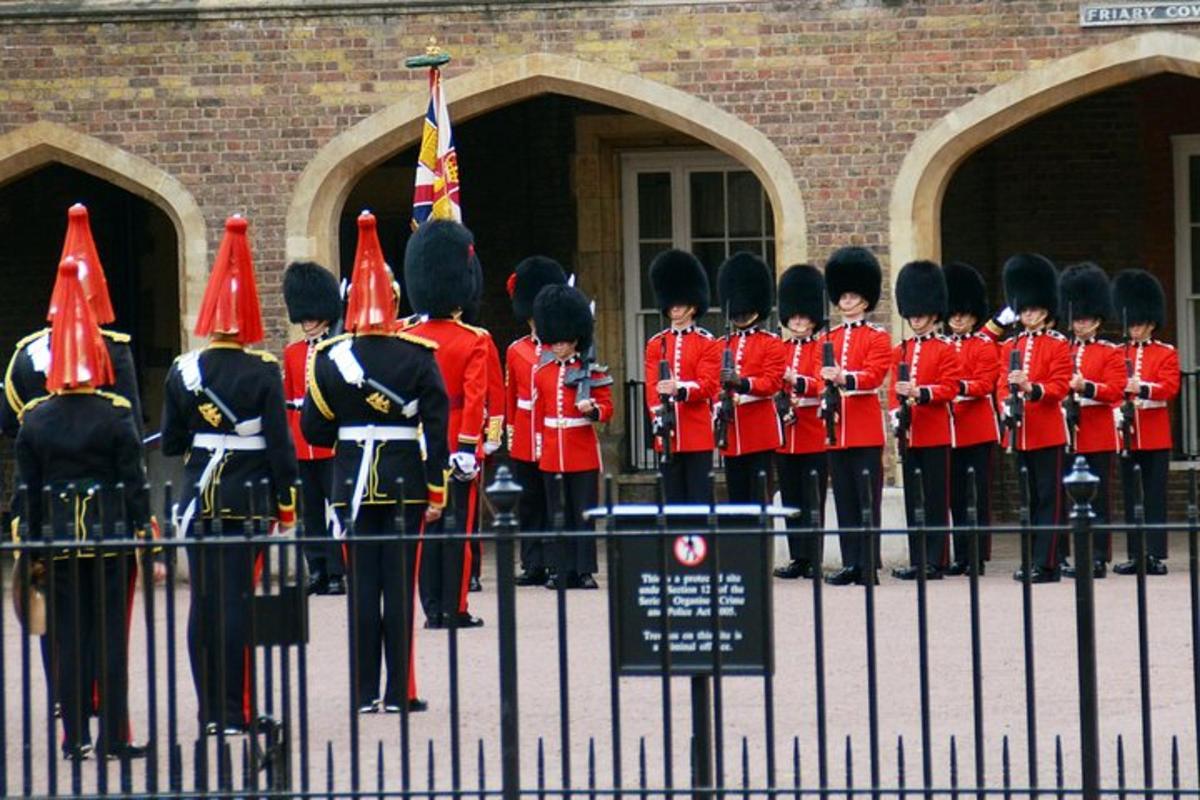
(463, 464)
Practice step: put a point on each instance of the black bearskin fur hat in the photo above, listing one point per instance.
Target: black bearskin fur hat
(854, 269)
(528, 279)
(1138, 298)
(438, 271)
(745, 284)
(311, 293)
(679, 279)
(921, 289)
(1031, 281)
(802, 292)
(561, 314)
(966, 293)
(1084, 291)
(474, 306)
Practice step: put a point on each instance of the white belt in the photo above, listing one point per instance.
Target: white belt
(566, 422)
(218, 444)
(1147, 404)
(853, 392)
(228, 441)
(805, 402)
(1088, 401)
(524, 405)
(746, 399)
(965, 399)
(368, 436)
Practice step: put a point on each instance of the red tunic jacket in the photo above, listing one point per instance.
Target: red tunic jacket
(495, 401)
(759, 357)
(807, 433)
(462, 357)
(864, 351)
(1046, 359)
(974, 411)
(1103, 369)
(694, 359)
(520, 362)
(295, 370)
(934, 369)
(1156, 365)
(565, 439)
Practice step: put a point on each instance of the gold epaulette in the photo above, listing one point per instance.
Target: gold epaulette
(29, 338)
(116, 336)
(475, 329)
(34, 403)
(264, 355)
(421, 340)
(116, 399)
(332, 340)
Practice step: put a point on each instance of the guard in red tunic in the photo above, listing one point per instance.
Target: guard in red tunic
(1097, 378)
(1030, 393)
(862, 355)
(1140, 303)
(801, 460)
(521, 360)
(920, 410)
(313, 302)
(570, 395)
(680, 403)
(976, 431)
(752, 366)
(439, 276)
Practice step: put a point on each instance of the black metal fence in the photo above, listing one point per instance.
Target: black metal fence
(691, 672)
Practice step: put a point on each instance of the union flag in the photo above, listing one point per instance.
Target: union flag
(436, 192)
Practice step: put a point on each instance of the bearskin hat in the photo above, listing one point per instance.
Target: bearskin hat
(745, 285)
(679, 279)
(854, 269)
(1083, 291)
(921, 289)
(311, 293)
(474, 306)
(1138, 298)
(802, 292)
(528, 279)
(438, 268)
(1031, 281)
(966, 293)
(562, 314)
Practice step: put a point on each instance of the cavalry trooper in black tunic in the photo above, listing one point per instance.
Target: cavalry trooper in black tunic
(81, 443)
(224, 412)
(375, 393)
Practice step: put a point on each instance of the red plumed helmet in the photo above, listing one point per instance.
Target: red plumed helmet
(511, 285)
(78, 356)
(78, 244)
(373, 290)
(230, 303)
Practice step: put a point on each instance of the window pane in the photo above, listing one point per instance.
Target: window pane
(1194, 183)
(713, 322)
(745, 205)
(770, 257)
(711, 254)
(646, 253)
(654, 205)
(768, 215)
(749, 246)
(708, 204)
(1195, 260)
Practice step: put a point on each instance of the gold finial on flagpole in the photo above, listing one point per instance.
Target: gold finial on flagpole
(434, 56)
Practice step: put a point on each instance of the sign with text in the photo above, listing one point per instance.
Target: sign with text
(715, 588)
(1101, 16)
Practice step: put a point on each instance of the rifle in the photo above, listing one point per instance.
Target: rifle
(583, 378)
(783, 402)
(1071, 404)
(1015, 405)
(1128, 409)
(831, 398)
(725, 410)
(904, 414)
(666, 401)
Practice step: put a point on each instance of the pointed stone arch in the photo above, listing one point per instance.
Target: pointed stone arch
(25, 149)
(322, 189)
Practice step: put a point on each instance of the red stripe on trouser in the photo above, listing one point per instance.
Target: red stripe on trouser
(247, 653)
(464, 584)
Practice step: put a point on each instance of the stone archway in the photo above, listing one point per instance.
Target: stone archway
(323, 187)
(32, 146)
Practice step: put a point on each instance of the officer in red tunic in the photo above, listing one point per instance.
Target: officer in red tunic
(924, 396)
(521, 360)
(752, 366)
(862, 353)
(693, 364)
(1097, 378)
(440, 278)
(802, 455)
(313, 302)
(976, 431)
(1140, 303)
(570, 395)
(1041, 381)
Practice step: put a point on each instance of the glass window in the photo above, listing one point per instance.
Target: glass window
(708, 204)
(1194, 191)
(654, 205)
(745, 205)
(1195, 257)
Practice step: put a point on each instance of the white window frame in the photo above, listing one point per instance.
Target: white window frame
(1185, 148)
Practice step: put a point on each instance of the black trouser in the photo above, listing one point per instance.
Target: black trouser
(1154, 464)
(1100, 464)
(531, 513)
(316, 486)
(1044, 467)
(846, 469)
(794, 473)
(101, 599)
(685, 477)
(573, 555)
(443, 561)
(222, 584)
(382, 578)
(979, 457)
(741, 476)
(934, 464)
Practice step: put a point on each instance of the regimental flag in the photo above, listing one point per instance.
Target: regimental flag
(436, 192)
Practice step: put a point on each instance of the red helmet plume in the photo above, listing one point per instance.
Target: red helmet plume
(78, 356)
(230, 303)
(373, 290)
(79, 245)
